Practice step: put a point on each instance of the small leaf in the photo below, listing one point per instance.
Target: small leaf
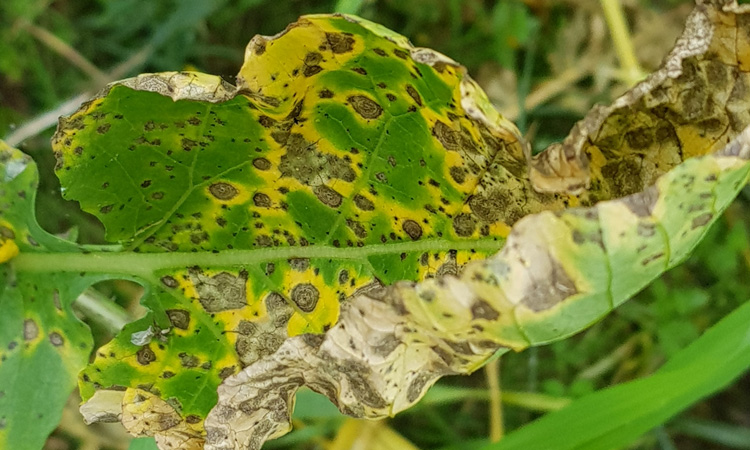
(42, 343)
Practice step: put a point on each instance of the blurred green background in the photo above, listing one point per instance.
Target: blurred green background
(543, 63)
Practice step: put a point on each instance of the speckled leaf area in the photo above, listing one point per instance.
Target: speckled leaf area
(336, 138)
(42, 344)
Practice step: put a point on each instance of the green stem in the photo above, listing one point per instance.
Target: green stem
(146, 264)
(97, 307)
(615, 17)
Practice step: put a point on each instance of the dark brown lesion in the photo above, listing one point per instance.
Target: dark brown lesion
(305, 296)
(339, 42)
(365, 106)
(223, 191)
(221, 292)
(412, 229)
(328, 196)
(179, 318)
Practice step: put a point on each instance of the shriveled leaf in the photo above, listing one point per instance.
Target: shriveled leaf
(43, 345)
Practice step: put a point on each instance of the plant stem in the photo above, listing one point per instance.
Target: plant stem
(146, 264)
(492, 370)
(97, 307)
(613, 13)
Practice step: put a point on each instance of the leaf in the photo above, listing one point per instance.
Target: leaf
(42, 344)
(557, 273)
(626, 411)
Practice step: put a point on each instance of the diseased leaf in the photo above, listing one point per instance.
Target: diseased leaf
(273, 223)
(43, 345)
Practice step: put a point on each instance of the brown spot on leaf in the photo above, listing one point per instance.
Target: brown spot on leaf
(464, 225)
(169, 281)
(401, 53)
(413, 94)
(702, 220)
(483, 310)
(363, 203)
(312, 70)
(56, 339)
(365, 107)
(30, 330)
(358, 229)
(179, 318)
(223, 191)
(305, 296)
(261, 164)
(447, 137)
(340, 42)
(325, 93)
(145, 355)
(221, 292)
(550, 288)
(412, 228)
(262, 200)
(328, 196)
(458, 174)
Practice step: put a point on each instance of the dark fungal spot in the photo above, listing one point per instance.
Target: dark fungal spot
(328, 196)
(340, 42)
(401, 53)
(299, 264)
(146, 184)
(261, 164)
(262, 200)
(447, 137)
(464, 225)
(360, 70)
(412, 228)
(188, 144)
(179, 318)
(458, 174)
(417, 385)
(30, 330)
(363, 203)
(226, 372)
(305, 296)
(390, 97)
(188, 361)
(145, 355)
(325, 93)
(379, 52)
(266, 122)
(223, 191)
(312, 70)
(365, 107)
(343, 276)
(106, 209)
(56, 339)
(414, 94)
(102, 129)
(169, 281)
(702, 220)
(221, 292)
(356, 227)
(483, 310)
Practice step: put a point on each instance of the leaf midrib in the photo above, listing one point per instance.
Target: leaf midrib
(146, 264)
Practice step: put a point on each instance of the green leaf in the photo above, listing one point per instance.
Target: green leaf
(626, 411)
(42, 343)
